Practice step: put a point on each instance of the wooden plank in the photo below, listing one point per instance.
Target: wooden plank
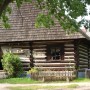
(83, 59)
(69, 49)
(69, 56)
(69, 52)
(44, 56)
(69, 59)
(83, 46)
(40, 52)
(83, 66)
(83, 62)
(84, 53)
(69, 45)
(82, 49)
(39, 46)
(55, 64)
(40, 49)
(25, 60)
(84, 56)
(39, 59)
(55, 67)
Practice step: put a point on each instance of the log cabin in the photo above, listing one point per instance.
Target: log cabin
(51, 50)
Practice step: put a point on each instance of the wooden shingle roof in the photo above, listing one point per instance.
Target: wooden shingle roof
(23, 29)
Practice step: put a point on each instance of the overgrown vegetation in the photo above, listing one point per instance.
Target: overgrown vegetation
(32, 70)
(12, 65)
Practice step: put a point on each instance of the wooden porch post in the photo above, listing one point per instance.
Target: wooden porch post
(31, 55)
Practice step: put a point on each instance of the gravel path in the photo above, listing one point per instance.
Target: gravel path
(82, 86)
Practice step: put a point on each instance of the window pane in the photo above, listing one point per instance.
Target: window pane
(55, 53)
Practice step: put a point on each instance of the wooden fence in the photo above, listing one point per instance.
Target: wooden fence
(53, 75)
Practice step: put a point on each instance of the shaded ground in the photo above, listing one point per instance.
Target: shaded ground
(81, 86)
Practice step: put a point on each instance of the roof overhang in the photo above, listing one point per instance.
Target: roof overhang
(85, 33)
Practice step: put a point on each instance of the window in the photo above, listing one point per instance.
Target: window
(55, 52)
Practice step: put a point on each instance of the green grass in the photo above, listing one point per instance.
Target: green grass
(72, 86)
(26, 81)
(43, 87)
(29, 81)
(18, 81)
(81, 80)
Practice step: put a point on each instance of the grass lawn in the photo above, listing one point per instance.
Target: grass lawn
(25, 81)
(18, 81)
(29, 81)
(81, 80)
(44, 87)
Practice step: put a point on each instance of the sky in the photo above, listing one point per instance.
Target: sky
(86, 17)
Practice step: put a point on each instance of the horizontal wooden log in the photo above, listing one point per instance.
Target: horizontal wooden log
(83, 59)
(69, 59)
(55, 61)
(60, 66)
(56, 68)
(44, 56)
(83, 53)
(71, 53)
(69, 49)
(39, 46)
(83, 46)
(69, 45)
(23, 47)
(82, 49)
(55, 64)
(25, 60)
(40, 52)
(83, 66)
(84, 56)
(83, 62)
(40, 60)
(40, 49)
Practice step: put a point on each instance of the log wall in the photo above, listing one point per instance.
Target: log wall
(83, 62)
(20, 49)
(66, 65)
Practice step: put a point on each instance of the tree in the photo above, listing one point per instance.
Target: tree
(66, 12)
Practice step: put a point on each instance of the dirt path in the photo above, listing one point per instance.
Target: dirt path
(81, 86)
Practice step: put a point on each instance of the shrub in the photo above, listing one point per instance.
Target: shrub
(33, 73)
(33, 70)
(12, 64)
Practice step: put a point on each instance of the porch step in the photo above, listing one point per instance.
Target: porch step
(2, 74)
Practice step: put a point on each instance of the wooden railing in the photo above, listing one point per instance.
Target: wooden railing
(53, 75)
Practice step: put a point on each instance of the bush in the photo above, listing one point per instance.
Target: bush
(33, 73)
(33, 70)
(12, 64)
